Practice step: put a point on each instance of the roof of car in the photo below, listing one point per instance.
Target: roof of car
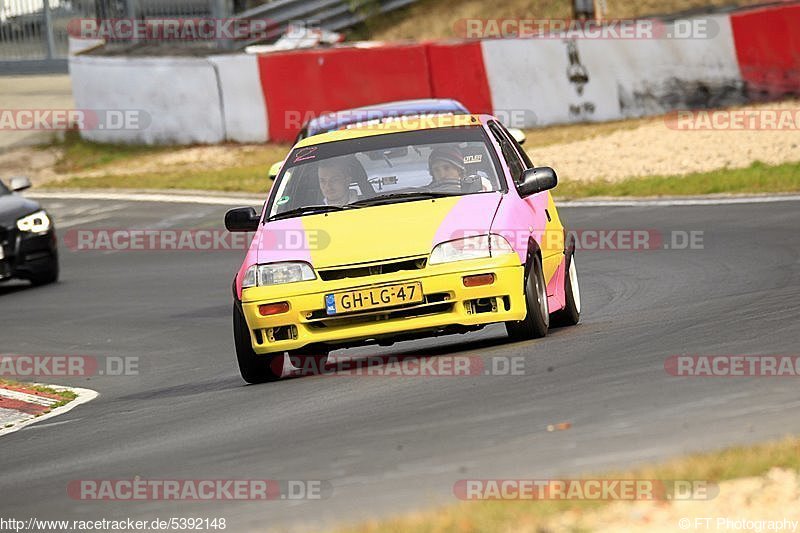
(396, 126)
(331, 121)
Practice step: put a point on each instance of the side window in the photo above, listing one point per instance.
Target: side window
(510, 154)
(518, 148)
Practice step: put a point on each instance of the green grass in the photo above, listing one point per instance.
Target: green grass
(757, 178)
(243, 179)
(110, 164)
(732, 463)
(80, 154)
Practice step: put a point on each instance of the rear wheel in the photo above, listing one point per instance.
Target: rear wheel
(254, 368)
(537, 320)
(571, 314)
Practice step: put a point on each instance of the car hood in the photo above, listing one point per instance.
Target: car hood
(13, 207)
(375, 233)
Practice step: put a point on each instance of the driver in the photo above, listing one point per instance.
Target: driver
(335, 176)
(446, 165)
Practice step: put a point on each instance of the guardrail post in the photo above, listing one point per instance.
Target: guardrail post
(130, 9)
(221, 9)
(48, 29)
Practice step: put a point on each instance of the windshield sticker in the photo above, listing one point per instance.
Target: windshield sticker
(306, 154)
(473, 159)
(283, 200)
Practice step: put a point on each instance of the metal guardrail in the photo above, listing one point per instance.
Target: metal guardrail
(334, 15)
(34, 33)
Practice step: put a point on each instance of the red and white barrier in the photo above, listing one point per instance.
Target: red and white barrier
(752, 53)
(768, 50)
(178, 98)
(302, 84)
(244, 110)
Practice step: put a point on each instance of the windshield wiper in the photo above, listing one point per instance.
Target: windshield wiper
(401, 196)
(307, 210)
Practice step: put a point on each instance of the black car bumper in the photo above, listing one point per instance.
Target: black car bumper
(26, 255)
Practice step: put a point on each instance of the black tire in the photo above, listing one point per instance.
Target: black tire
(537, 320)
(254, 368)
(571, 314)
(309, 360)
(48, 275)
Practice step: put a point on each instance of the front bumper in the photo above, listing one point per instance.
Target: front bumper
(449, 307)
(26, 255)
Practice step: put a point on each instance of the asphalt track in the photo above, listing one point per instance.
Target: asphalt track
(391, 445)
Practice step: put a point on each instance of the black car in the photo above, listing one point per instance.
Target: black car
(28, 247)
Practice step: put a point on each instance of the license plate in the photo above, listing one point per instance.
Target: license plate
(366, 299)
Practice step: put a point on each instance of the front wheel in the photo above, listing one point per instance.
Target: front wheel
(537, 320)
(47, 275)
(253, 367)
(309, 360)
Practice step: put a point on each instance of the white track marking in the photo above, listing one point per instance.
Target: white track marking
(77, 221)
(92, 213)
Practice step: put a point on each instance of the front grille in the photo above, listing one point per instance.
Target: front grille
(433, 304)
(373, 269)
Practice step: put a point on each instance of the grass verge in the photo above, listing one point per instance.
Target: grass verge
(439, 19)
(79, 154)
(251, 177)
(732, 463)
(242, 179)
(757, 178)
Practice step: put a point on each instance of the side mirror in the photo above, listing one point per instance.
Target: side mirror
(536, 180)
(518, 135)
(19, 183)
(275, 169)
(242, 219)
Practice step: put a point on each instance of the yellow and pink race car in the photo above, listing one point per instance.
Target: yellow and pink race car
(399, 230)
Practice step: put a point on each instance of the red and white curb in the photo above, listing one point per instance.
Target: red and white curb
(19, 409)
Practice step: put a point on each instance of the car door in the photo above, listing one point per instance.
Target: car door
(552, 231)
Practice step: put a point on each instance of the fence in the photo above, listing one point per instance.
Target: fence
(34, 33)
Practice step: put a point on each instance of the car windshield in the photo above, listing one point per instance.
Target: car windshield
(385, 168)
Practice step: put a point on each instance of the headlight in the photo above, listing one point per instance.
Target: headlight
(479, 247)
(37, 222)
(277, 274)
